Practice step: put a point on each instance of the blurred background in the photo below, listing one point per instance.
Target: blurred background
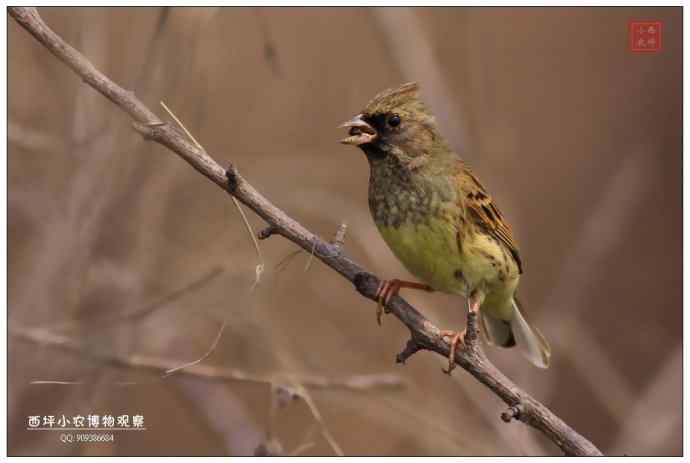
(124, 262)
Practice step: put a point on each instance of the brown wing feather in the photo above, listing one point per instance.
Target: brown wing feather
(486, 214)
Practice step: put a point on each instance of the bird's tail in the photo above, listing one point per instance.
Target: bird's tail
(517, 331)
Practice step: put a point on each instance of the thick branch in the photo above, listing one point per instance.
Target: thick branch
(424, 334)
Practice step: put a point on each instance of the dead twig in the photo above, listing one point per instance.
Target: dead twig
(141, 312)
(304, 394)
(43, 337)
(260, 266)
(426, 334)
(338, 242)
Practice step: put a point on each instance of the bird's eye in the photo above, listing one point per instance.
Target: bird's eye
(394, 120)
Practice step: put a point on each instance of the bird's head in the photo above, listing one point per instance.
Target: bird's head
(395, 123)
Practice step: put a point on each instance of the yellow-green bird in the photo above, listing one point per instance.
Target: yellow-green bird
(439, 220)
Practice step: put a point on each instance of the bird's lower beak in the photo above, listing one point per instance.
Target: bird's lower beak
(360, 132)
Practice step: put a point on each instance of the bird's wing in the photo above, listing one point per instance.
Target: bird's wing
(484, 213)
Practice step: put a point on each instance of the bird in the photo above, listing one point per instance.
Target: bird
(441, 222)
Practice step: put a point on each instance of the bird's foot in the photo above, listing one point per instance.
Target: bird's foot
(474, 302)
(455, 339)
(389, 288)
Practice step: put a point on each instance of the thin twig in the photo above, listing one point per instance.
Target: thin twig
(260, 266)
(311, 257)
(306, 442)
(337, 242)
(286, 260)
(426, 334)
(208, 353)
(141, 312)
(301, 449)
(319, 419)
(182, 126)
(43, 337)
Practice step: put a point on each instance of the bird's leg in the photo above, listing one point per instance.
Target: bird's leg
(389, 288)
(473, 303)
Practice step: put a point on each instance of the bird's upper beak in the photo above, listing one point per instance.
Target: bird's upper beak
(360, 132)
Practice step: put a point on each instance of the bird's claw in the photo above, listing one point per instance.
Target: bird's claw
(456, 338)
(389, 288)
(386, 290)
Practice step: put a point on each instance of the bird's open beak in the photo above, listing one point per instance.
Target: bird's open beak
(360, 132)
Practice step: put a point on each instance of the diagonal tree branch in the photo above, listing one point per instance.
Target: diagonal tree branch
(424, 335)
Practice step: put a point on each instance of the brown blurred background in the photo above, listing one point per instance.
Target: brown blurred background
(120, 254)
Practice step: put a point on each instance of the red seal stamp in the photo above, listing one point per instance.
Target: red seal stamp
(645, 36)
